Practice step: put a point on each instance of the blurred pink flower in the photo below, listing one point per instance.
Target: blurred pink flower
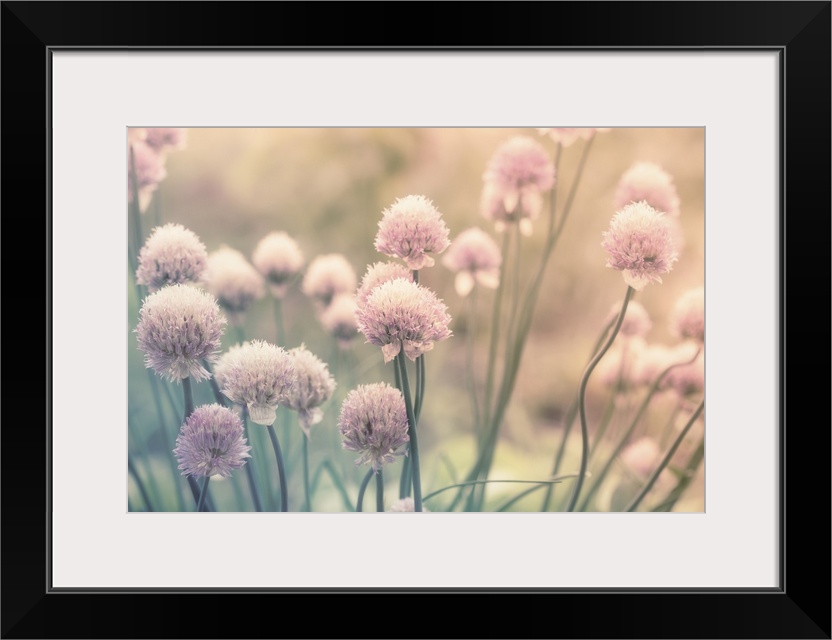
(327, 276)
(636, 320)
(648, 182)
(279, 259)
(566, 136)
(234, 282)
(688, 320)
(379, 273)
(149, 169)
(165, 139)
(475, 257)
(642, 456)
(339, 320)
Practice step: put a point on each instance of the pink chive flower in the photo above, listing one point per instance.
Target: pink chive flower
(405, 505)
(688, 379)
(475, 258)
(637, 321)
(234, 282)
(373, 422)
(172, 254)
(165, 139)
(313, 386)
(401, 314)
(179, 326)
(379, 273)
(211, 442)
(648, 182)
(411, 229)
(327, 276)
(641, 244)
(259, 376)
(338, 319)
(517, 176)
(279, 260)
(688, 319)
(149, 167)
(566, 136)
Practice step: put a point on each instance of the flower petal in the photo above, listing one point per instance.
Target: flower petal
(390, 351)
(262, 413)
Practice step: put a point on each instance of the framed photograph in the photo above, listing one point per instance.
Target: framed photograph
(146, 130)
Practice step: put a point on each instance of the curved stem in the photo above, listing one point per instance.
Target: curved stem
(281, 470)
(470, 342)
(212, 382)
(495, 329)
(582, 397)
(666, 460)
(203, 494)
(690, 471)
(307, 494)
(473, 482)
(411, 432)
(380, 491)
(131, 468)
(360, 501)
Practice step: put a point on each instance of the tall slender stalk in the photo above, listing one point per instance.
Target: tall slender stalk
(281, 470)
(666, 460)
(470, 343)
(252, 485)
(495, 330)
(307, 505)
(380, 491)
(690, 471)
(582, 398)
(411, 432)
(131, 468)
(360, 501)
(203, 494)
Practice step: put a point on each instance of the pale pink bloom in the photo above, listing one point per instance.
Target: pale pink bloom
(379, 273)
(339, 320)
(688, 320)
(401, 314)
(234, 282)
(149, 168)
(640, 243)
(648, 182)
(279, 259)
(475, 258)
(327, 276)
(406, 505)
(688, 379)
(373, 422)
(517, 176)
(171, 254)
(566, 136)
(313, 386)
(642, 456)
(410, 229)
(636, 319)
(211, 442)
(652, 360)
(164, 139)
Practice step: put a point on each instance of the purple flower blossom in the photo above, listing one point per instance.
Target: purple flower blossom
(566, 136)
(401, 314)
(475, 257)
(279, 259)
(648, 182)
(411, 229)
(517, 176)
(327, 276)
(313, 386)
(338, 319)
(179, 326)
(373, 422)
(640, 243)
(149, 167)
(211, 442)
(171, 255)
(259, 376)
(637, 321)
(234, 282)
(164, 139)
(379, 273)
(688, 319)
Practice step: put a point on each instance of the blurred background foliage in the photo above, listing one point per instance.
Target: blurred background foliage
(327, 188)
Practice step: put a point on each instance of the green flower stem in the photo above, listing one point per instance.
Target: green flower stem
(326, 466)
(690, 472)
(166, 438)
(495, 330)
(606, 418)
(405, 479)
(582, 398)
(420, 386)
(203, 494)
(360, 501)
(666, 460)
(212, 382)
(380, 491)
(571, 196)
(134, 215)
(470, 343)
(281, 470)
(512, 501)
(279, 323)
(307, 494)
(252, 485)
(131, 468)
(622, 441)
(411, 432)
(668, 428)
(473, 482)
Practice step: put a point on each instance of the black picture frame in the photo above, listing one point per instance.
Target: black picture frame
(798, 31)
